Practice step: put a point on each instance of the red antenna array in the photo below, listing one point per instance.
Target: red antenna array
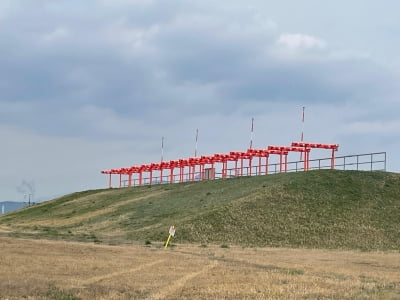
(202, 162)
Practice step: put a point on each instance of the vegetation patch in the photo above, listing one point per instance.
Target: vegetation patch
(55, 293)
(315, 209)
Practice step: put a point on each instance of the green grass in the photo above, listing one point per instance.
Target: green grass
(55, 293)
(316, 209)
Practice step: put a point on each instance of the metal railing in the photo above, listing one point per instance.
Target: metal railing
(360, 162)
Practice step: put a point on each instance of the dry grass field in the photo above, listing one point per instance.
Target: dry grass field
(40, 269)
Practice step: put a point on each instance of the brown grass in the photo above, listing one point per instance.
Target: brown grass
(38, 269)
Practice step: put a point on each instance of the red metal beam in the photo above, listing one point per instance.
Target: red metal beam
(307, 145)
(235, 156)
(293, 149)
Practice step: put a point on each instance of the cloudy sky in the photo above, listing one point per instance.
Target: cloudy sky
(93, 85)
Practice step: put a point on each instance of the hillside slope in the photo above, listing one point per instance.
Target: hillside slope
(318, 209)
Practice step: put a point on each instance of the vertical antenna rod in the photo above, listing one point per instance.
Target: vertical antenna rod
(162, 149)
(197, 137)
(193, 168)
(251, 134)
(302, 131)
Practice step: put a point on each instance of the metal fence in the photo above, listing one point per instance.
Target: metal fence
(361, 162)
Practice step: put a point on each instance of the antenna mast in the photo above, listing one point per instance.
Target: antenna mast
(162, 149)
(197, 137)
(302, 131)
(251, 134)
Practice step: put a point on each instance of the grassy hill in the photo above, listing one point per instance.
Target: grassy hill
(317, 209)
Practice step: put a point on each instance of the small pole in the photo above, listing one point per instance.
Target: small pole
(385, 162)
(171, 175)
(167, 242)
(181, 169)
(250, 164)
(195, 153)
(305, 159)
(357, 162)
(236, 167)
(371, 161)
(285, 163)
(197, 136)
(302, 132)
(162, 149)
(251, 133)
(171, 234)
(162, 159)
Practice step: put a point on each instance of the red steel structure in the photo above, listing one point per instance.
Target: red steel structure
(200, 163)
(288, 149)
(260, 153)
(307, 147)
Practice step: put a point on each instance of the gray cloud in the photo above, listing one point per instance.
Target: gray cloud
(98, 73)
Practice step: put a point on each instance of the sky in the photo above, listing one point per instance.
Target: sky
(93, 85)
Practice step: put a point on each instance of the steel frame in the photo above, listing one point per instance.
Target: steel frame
(136, 173)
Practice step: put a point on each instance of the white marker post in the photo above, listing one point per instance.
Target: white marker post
(251, 133)
(302, 132)
(171, 234)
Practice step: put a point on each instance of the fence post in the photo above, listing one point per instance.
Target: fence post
(371, 160)
(385, 161)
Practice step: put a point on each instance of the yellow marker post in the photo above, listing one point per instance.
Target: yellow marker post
(166, 243)
(171, 234)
